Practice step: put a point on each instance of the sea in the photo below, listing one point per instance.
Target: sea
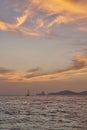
(43, 113)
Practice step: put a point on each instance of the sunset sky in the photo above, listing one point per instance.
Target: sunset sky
(43, 45)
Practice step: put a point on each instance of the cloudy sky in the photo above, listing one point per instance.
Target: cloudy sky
(43, 45)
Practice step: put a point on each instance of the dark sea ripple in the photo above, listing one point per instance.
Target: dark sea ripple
(43, 113)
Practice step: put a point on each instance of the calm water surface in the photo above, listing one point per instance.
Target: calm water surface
(43, 113)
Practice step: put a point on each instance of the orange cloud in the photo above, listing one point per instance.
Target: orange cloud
(61, 5)
(37, 17)
(77, 69)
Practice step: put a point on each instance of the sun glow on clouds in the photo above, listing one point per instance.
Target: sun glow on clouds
(38, 17)
(77, 69)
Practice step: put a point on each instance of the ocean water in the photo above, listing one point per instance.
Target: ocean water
(43, 113)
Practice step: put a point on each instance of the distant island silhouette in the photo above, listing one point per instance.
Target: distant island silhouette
(68, 92)
(64, 92)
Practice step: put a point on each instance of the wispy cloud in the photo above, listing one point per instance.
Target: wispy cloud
(37, 18)
(77, 68)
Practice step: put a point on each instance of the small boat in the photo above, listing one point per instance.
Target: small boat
(28, 93)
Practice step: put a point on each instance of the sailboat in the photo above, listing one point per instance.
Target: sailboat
(28, 93)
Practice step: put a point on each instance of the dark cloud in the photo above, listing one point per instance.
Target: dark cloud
(4, 70)
(30, 76)
(78, 1)
(35, 74)
(33, 70)
(79, 63)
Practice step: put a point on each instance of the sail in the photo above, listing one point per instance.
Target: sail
(27, 92)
